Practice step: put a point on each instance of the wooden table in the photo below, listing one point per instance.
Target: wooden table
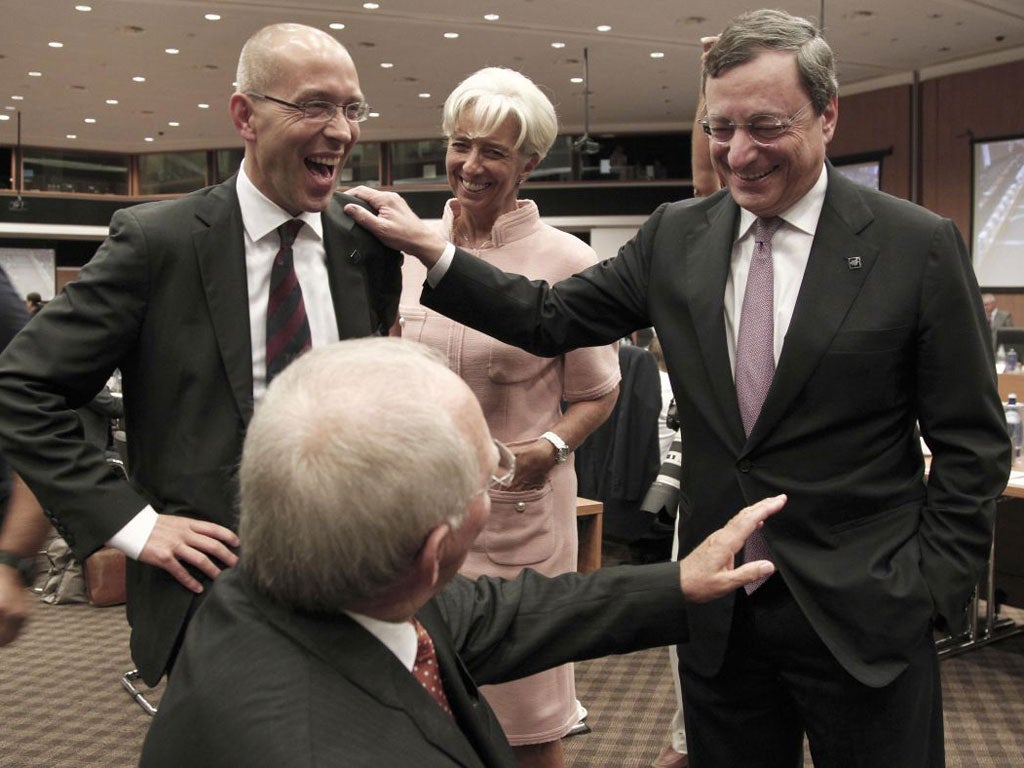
(589, 517)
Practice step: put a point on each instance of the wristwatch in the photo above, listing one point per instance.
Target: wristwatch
(561, 449)
(23, 565)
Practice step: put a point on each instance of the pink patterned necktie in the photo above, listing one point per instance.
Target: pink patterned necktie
(287, 325)
(755, 354)
(425, 668)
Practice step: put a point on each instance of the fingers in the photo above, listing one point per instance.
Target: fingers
(176, 541)
(749, 519)
(15, 606)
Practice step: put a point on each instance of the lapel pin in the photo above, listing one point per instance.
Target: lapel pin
(853, 262)
(354, 257)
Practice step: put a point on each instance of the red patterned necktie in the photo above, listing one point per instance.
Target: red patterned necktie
(425, 669)
(755, 354)
(287, 325)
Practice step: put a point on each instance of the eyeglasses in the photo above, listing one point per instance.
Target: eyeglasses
(502, 476)
(762, 129)
(322, 111)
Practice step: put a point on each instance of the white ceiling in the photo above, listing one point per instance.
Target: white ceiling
(877, 42)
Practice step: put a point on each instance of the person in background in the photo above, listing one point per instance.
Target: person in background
(874, 324)
(33, 302)
(352, 640)
(499, 126)
(997, 318)
(179, 299)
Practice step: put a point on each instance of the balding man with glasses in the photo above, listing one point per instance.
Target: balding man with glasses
(809, 326)
(200, 301)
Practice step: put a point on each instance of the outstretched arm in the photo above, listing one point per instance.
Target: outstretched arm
(23, 533)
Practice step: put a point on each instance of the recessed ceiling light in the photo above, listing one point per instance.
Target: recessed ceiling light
(451, 35)
(71, 136)
(138, 79)
(603, 28)
(172, 51)
(55, 44)
(375, 114)
(203, 106)
(491, 17)
(90, 120)
(112, 102)
(657, 54)
(9, 108)
(83, 8)
(558, 45)
(336, 25)
(148, 138)
(424, 95)
(17, 98)
(210, 17)
(386, 65)
(5, 117)
(576, 80)
(174, 124)
(35, 74)
(371, 6)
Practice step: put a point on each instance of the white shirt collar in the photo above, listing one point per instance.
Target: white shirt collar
(398, 637)
(802, 215)
(261, 216)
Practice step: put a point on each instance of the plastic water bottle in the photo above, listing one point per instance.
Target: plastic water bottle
(1014, 427)
(1001, 359)
(1011, 360)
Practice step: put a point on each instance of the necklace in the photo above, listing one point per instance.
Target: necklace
(469, 242)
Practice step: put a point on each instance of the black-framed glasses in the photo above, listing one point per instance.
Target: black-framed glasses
(506, 470)
(762, 129)
(321, 111)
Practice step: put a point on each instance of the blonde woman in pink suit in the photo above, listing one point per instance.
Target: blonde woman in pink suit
(499, 126)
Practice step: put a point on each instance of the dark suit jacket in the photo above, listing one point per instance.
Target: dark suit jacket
(13, 317)
(258, 685)
(888, 330)
(165, 300)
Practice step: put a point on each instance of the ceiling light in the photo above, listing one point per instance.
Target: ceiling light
(491, 17)
(371, 6)
(17, 98)
(138, 79)
(83, 8)
(112, 102)
(209, 17)
(386, 65)
(375, 114)
(5, 117)
(603, 28)
(172, 51)
(451, 35)
(35, 74)
(657, 54)
(148, 138)
(424, 95)
(203, 106)
(90, 120)
(576, 80)
(174, 124)
(558, 45)
(336, 25)
(55, 44)
(71, 136)
(10, 108)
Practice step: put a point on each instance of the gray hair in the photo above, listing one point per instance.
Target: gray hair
(352, 458)
(749, 34)
(490, 96)
(260, 66)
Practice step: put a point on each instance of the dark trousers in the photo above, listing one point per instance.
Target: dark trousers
(779, 682)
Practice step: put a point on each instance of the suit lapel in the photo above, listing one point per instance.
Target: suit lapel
(220, 250)
(347, 278)
(839, 264)
(707, 270)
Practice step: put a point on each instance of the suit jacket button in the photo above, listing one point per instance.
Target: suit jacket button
(744, 465)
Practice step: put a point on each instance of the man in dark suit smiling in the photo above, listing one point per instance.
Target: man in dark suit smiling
(376, 462)
(178, 298)
(809, 326)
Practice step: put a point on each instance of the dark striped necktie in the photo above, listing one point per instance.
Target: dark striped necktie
(287, 325)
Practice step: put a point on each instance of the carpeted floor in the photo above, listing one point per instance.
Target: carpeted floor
(62, 704)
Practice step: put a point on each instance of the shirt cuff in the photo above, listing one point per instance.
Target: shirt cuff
(133, 537)
(440, 268)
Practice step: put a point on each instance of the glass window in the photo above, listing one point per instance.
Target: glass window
(168, 173)
(644, 157)
(362, 166)
(226, 164)
(54, 170)
(418, 162)
(7, 169)
(557, 166)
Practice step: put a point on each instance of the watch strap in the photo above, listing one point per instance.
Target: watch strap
(23, 565)
(561, 447)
